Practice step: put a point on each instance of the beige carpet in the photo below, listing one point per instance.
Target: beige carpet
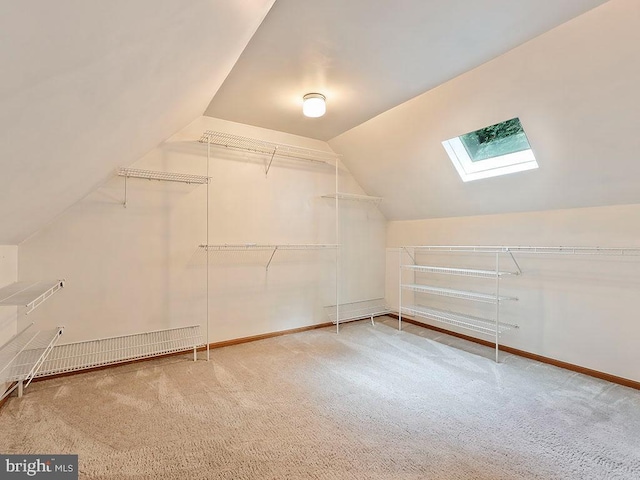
(370, 403)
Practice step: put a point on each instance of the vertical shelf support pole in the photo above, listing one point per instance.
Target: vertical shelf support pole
(497, 305)
(207, 249)
(399, 288)
(337, 253)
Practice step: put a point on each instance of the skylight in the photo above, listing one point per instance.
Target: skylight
(495, 150)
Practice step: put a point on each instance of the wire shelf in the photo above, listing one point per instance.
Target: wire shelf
(109, 351)
(463, 294)
(354, 197)
(240, 247)
(358, 310)
(464, 272)
(271, 149)
(247, 247)
(29, 294)
(470, 322)
(24, 354)
(162, 176)
(611, 251)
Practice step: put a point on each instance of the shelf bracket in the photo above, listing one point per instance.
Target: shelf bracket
(275, 150)
(124, 204)
(271, 257)
(31, 306)
(413, 259)
(515, 262)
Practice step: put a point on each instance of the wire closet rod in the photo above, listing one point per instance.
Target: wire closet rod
(561, 250)
(257, 246)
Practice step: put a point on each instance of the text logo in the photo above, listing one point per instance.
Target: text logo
(50, 467)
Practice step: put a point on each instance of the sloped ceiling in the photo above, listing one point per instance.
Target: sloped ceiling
(367, 56)
(87, 86)
(576, 92)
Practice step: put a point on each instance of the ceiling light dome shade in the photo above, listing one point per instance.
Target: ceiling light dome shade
(313, 105)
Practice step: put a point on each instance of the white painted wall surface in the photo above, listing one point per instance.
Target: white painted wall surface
(581, 310)
(574, 88)
(8, 275)
(139, 268)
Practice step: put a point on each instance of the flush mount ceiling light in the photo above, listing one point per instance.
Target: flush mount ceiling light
(313, 105)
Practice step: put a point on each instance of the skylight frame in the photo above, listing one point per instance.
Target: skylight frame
(469, 170)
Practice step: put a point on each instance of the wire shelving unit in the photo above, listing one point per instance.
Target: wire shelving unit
(159, 176)
(495, 326)
(162, 176)
(462, 272)
(84, 355)
(462, 294)
(354, 197)
(29, 294)
(23, 355)
(470, 322)
(263, 147)
(347, 312)
(272, 150)
(562, 250)
(485, 326)
(269, 150)
(358, 310)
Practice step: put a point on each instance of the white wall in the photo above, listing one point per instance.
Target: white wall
(574, 88)
(581, 310)
(118, 79)
(8, 274)
(139, 268)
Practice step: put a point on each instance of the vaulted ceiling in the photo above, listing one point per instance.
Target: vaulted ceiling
(575, 90)
(89, 86)
(367, 56)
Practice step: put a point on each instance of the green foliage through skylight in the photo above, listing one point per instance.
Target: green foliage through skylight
(496, 140)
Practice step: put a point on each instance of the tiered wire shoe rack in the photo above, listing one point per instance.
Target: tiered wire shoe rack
(489, 327)
(492, 327)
